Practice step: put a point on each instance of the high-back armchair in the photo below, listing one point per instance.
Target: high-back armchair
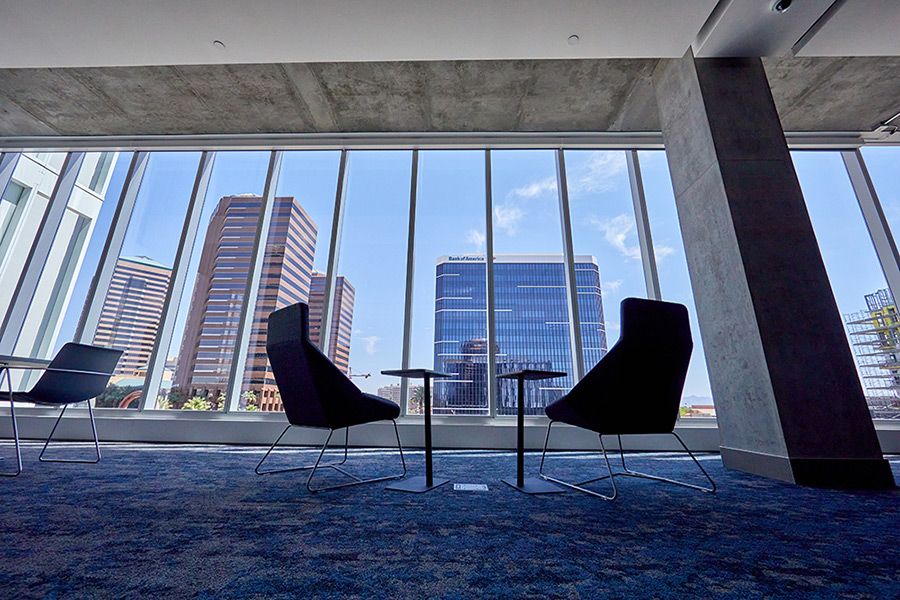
(315, 393)
(635, 388)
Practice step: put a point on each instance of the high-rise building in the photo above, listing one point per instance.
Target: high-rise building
(22, 206)
(286, 277)
(531, 324)
(132, 310)
(341, 318)
(875, 339)
(204, 361)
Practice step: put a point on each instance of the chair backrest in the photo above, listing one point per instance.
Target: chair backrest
(636, 387)
(78, 372)
(314, 392)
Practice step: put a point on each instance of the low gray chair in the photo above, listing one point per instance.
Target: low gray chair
(634, 389)
(77, 373)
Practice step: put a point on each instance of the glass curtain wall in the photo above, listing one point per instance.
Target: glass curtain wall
(175, 310)
(295, 260)
(674, 280)
(449, 325)
(531, 313)
(857, 279)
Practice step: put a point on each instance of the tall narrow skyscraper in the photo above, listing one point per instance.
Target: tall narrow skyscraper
(341, 318)
(286, 277)
(129, 319)
(531, 323)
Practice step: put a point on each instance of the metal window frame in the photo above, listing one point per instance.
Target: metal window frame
(410, 279)
(873, 214)
(157, 361)
(565, 223)
(30, 277)
(493, 409)
(8, 163)
(334, 252)
(642, 223)
(90, 317)
(251, 291)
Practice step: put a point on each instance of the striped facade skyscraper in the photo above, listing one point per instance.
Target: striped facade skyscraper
(286, 277)
(132, 310)
(341, 318)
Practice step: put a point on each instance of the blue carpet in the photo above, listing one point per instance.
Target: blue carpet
(196, 522)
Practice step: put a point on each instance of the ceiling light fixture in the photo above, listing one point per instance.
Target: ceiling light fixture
(781, 6)
(573, 39)
(219, 44)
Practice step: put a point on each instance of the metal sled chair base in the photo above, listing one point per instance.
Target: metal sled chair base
(626, 472)
(70, 460)
(334, 465)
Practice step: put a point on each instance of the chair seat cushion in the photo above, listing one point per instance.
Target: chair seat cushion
(369, 408)
(27, 397)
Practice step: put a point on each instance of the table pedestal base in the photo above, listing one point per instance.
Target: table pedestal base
(416, 485)
(532, 485)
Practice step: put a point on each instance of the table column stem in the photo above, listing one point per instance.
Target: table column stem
(429, 478)
(520, 432)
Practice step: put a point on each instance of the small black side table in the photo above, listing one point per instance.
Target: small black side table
(420, 484)
(532, 485)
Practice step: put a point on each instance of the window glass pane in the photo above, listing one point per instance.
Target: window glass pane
(296, 258)
(210, 305)
(674, 280)
(852, 265)
(371, 285)
(86, 221)
(883, 164)
(22, 208)
(605, 236)
(132, 307)
(449, 329)
(531, 316)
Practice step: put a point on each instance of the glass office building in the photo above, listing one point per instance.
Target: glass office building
(531, 328)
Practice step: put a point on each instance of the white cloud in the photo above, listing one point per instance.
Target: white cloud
(507, 217)
(473, 236)
(601, 172)
(611, 287)
(369, 343)
(660, 252)
(616, 231)
(535, 188)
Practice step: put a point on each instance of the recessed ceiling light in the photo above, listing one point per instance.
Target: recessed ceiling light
(781, 6)
(573, 39)
(219, 44)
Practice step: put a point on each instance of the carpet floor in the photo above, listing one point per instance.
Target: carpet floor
(173, 521)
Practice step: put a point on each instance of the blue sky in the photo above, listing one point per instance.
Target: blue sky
(451, 220)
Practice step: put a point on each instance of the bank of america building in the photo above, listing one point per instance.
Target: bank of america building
(530, 326)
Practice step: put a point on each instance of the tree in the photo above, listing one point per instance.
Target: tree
(249, 400)
(197, 403)
(417, 400)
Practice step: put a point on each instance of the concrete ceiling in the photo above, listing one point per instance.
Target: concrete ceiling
(812, 94)
(132, 67)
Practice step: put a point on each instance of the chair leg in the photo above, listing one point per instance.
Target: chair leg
(580, 486)
(336, 466)
(68, 460)
(629, 473)
(12, 412)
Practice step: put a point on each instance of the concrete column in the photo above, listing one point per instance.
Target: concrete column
(788, 399)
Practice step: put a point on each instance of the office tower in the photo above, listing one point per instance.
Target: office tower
(391, 392)
(341, 318)
(286, 277)
(22, 208)
(132, 310)
(205, 357)
(875, 339)
(531, 328)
